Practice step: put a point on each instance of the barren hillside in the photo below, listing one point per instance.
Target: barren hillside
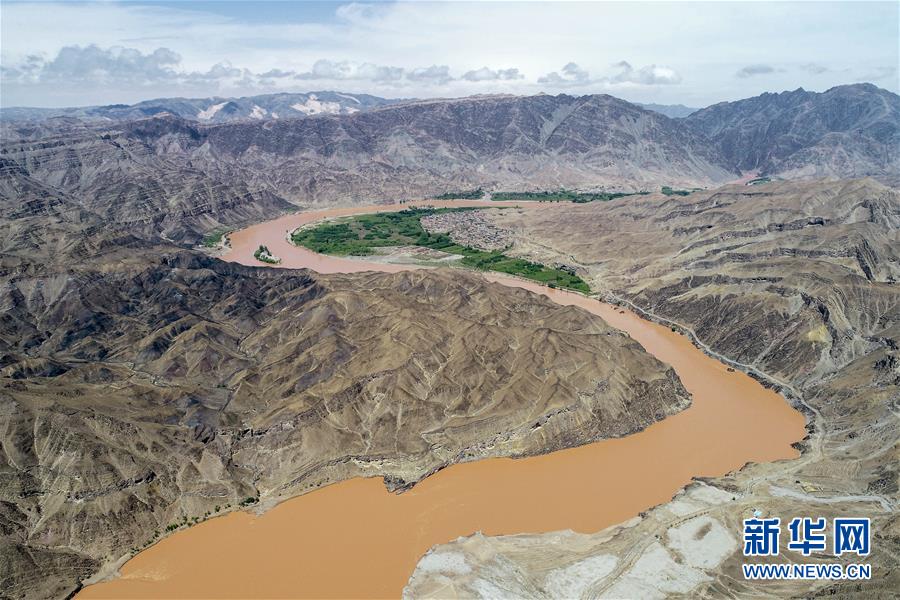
(141, 393)
(796, 281)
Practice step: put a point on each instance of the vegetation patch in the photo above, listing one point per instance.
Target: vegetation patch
(359, 235)
(563, 196)
(673, 192)
(759, 180)
(466, 195)
(262, 254)
(214, 238)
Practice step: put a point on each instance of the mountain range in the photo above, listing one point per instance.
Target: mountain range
(673, 111)
(182, 177)
(264, 106)
(212, 110)
(846, 131)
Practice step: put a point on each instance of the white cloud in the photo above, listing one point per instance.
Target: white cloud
(486, 74)
(436, 74)
(575, 76)
(130, 68)
(394, 49)
(346, 70)
(571, 74)
(754, 70)
(649, 75)
(277, 74)
(117, 66)
(879, 74)
(92, 64)
(349, 70)
(814, 68)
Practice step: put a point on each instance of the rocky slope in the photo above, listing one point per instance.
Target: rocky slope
(822, 257)
(514, 142)
(793, 280)
(847, 131)
(126, 184)
(143, 392)
(673, 111)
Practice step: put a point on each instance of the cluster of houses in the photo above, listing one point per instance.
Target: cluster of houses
(468, 228)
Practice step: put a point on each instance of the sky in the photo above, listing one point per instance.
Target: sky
(696, 54)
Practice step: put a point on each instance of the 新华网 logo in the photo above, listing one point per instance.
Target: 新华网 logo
(807, 536)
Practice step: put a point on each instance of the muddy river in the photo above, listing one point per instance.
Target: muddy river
(354, 539)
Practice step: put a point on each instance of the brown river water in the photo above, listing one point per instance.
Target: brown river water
(354, 539)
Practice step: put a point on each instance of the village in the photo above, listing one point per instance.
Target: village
(468, 228)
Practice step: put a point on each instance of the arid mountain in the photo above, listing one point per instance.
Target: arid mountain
(142, 389)
(847, 131)
(505, 141)
(673, 111)
(211, 110)
(186, 178)
(796, 281)
(263, 107)
(123, 183)
(821, 257)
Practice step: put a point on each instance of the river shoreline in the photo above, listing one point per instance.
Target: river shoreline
(605, 457)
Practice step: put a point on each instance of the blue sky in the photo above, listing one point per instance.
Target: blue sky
(78, 53)
(260, 12)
